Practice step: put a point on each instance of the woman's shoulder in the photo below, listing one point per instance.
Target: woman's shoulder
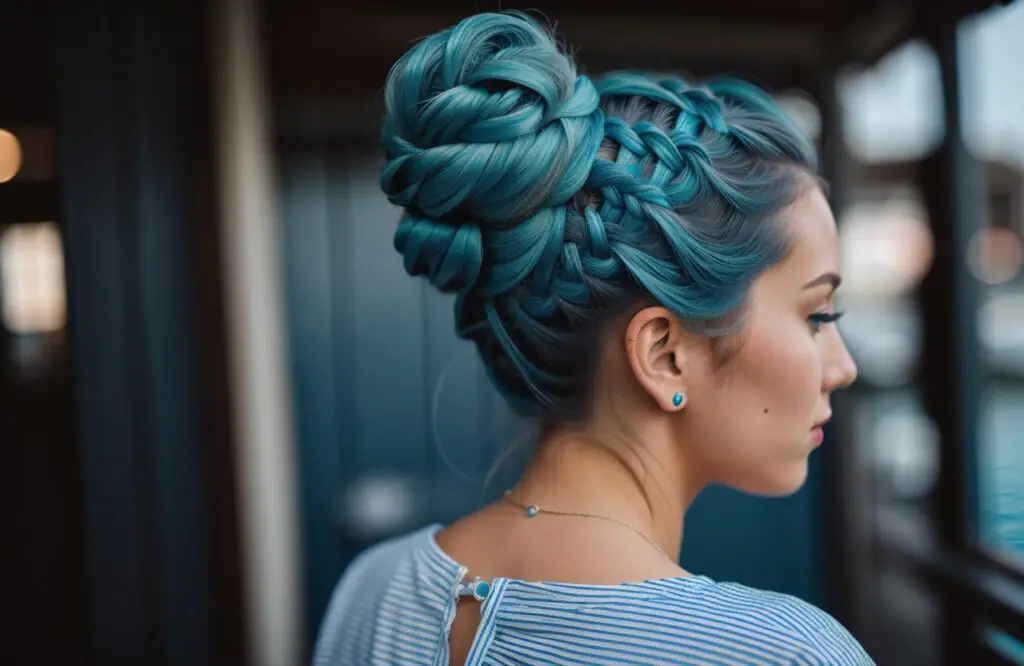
(399, 571)
(789, 628)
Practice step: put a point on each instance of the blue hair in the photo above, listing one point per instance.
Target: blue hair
(551, 204)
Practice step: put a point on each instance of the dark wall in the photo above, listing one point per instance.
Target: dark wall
(118, 524)
(43, 605)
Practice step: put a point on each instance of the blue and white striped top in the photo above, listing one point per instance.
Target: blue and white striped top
(395, 605)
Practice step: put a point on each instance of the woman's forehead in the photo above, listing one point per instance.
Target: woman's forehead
(813, 247)
(813, 228)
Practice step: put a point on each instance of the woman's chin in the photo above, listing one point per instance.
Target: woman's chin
(775, 481)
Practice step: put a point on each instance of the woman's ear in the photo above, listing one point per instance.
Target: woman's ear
(656, 348)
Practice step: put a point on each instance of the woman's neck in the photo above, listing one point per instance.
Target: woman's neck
(641, 485)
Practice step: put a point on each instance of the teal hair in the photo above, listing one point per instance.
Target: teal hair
(551, 204)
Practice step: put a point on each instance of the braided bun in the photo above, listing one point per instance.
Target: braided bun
(550, 204)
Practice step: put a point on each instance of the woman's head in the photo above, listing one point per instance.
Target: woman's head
(618, 242)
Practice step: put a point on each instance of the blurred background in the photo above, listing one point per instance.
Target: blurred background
(217, 385)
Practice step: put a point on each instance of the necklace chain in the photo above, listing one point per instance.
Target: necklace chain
(532, 510)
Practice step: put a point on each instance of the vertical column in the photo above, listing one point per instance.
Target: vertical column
(260, 381)
(951, 383)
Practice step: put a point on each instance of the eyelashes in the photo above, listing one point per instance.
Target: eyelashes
(819, 319)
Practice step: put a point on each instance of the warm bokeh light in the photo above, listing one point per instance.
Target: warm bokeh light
(10, 156)
(995, 256)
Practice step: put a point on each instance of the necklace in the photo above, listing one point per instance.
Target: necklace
(532, 511)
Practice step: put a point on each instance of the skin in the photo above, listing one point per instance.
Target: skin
(749, 425)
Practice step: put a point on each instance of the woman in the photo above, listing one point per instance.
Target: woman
(648, 268)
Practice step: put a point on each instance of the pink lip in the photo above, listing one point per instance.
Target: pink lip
(817, 436)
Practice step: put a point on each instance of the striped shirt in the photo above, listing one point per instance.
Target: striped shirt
(395, 604)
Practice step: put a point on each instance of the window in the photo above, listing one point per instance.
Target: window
(886, 243)
(993, 130)
(32, 292)
(892, 120)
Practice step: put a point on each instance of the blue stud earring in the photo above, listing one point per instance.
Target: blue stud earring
(678, 399)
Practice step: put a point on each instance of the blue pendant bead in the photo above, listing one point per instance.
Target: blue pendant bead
(532, 511)
(480, 589)
(476, 588)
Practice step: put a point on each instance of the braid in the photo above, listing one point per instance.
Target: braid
(550, 204)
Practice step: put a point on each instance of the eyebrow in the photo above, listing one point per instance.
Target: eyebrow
(825, 279)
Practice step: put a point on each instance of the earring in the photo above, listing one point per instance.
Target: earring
(678, 400)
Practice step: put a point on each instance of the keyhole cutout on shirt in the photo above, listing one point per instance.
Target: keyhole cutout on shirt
(464, 628)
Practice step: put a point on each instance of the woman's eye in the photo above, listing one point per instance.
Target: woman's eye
(819, 319)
